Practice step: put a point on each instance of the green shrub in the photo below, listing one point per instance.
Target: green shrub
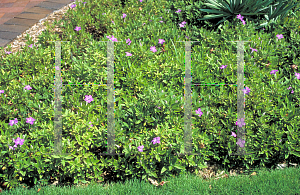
(149, 96)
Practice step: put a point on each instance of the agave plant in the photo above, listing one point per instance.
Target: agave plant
(280, 13)
(231, 8)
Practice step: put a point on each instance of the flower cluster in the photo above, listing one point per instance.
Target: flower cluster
(240, 121)
(89, 99)
(30, 120)
(154, 141)
(17, 141)
(241, 18)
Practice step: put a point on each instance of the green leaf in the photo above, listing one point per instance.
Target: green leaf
(179, 167)
(54, 156)
(286, 156)
(153, 174)
(68, 157)
(163, 170)
(23, 173)
(295, 153)
(190, 159)
(157, 157)
(138, 122)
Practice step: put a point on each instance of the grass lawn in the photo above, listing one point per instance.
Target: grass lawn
(258, 181)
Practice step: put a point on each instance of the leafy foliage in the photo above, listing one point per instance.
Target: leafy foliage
(149, 97)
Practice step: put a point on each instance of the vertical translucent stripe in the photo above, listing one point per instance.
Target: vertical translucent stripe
(110, 98)
(188, 100)
(240, 94)
(57, 104)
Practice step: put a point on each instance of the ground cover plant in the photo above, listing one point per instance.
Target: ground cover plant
(149, 69)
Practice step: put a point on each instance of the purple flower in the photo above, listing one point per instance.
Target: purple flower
(112, 38)
(124, 15)
(140, 148)
(73, 5)
(182, 24)
(19, 141)
(30, 120)
(12, 122)
(233, 134)
(292, 89)
(77, 28)
(156, 140)
(273, 71)
(1, 91)
(223, 66)
(91, 124)
(253, 49)
(161, 41)
(8, 52)
(88, 98)
(128, 54)
(241, 143)
(297, 75)
(13, 148)
(153, 49)
(279, 36)
(179, 10)
(128, 41)
(240, 122)
(27, 87)
(199, 112)
(240, 17)
(247, 90)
